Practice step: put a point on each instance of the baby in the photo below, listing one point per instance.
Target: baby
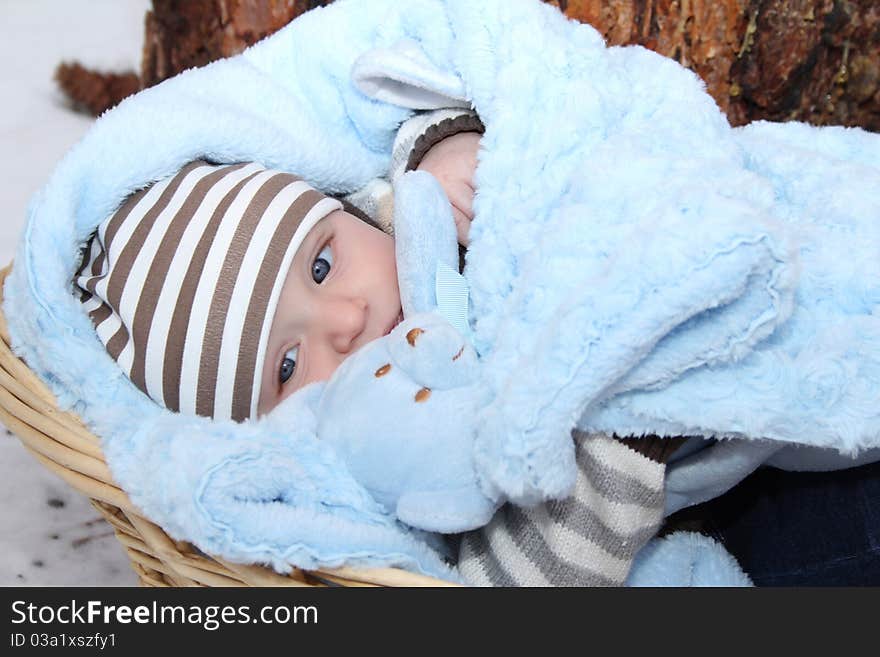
(223, 289)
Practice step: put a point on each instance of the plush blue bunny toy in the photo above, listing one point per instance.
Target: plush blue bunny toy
(400, 412)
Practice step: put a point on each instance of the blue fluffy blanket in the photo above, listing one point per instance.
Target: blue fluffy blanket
(636, 265)
(639, 267)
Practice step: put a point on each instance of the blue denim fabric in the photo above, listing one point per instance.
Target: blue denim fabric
(801, 528)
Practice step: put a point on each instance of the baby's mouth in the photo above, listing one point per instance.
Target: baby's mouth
(396, 322)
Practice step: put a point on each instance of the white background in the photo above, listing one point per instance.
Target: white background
(49, 534)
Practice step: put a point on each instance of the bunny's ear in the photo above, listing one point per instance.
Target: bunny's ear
(403, 75)
(284, 507)
(425, 238)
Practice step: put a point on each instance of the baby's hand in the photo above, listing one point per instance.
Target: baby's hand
(453, 162)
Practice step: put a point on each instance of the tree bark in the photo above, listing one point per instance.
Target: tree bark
(181, 34)
(808, 60)
(93, 91)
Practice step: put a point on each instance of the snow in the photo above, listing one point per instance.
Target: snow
(51, 535)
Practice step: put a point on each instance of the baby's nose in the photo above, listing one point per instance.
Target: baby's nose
(346, 323)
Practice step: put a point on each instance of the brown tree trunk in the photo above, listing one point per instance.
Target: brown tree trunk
(808, 60)
(181, 34)
(94, 92)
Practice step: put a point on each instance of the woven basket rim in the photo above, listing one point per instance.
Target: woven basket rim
(61, 442)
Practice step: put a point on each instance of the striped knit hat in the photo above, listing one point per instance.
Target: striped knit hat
(183, 280)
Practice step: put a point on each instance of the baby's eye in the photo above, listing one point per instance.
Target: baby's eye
(321, 266)
(288, 365)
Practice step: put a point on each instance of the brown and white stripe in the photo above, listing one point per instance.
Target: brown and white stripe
(589, 539)
(183, 280)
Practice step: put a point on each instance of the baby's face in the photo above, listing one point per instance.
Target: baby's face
(340, 293)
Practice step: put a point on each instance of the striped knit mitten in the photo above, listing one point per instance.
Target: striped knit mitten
(588, 539)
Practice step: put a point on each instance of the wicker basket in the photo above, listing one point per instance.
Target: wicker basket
(60, 441)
